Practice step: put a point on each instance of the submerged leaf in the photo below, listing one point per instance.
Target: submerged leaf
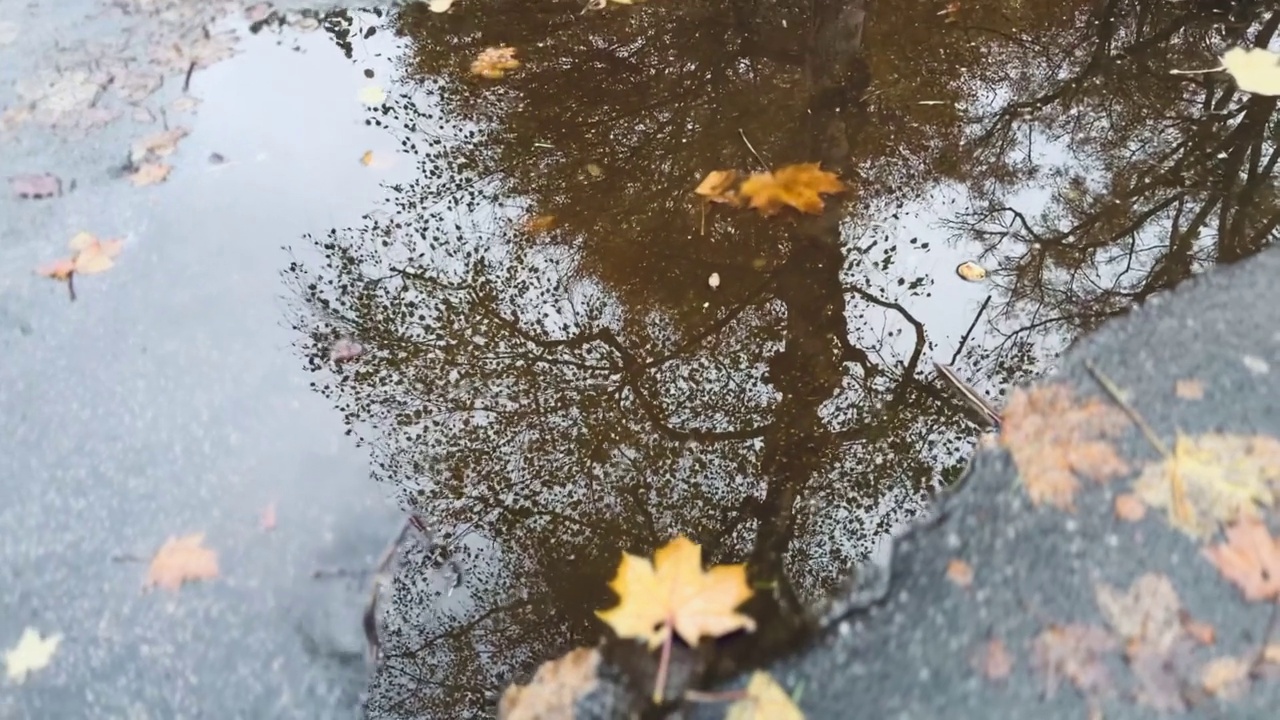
(765, 700)
(717, 186)
(494, 62)
(673, 593)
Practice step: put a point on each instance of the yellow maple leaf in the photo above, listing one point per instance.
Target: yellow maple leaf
(717, 186)
(32, 653)
(494, 62)
(673, 593)
(800, 186)
(765, 700)
(1212, 478)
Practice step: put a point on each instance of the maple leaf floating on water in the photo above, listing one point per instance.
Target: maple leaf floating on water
(674, 594)
(555, 689)
(89, 256)
(1054, 441)
(32, 653)
(1255, 70)
(765, 700)
(717, 186)
(1250, 559)
(800, 186)
(180, 560)
(1211, 479)
(493, 63)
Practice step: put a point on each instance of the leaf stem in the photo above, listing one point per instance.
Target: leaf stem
(664, 665)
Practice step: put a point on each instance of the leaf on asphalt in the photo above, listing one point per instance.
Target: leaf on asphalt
(36, 186)
(1211, 479)
(1129, 507)
(799, 186)
(1202, 632)
(717, 186)
(1250, 559)
(1073, 652)
(1161, 675)
(1189, 389)
(673, 593)
(182, 559)
(1255, 70)
(1147, 613)
(555, 688)
(372, 95)
(493, 63)
(1225, 677)
(993, 660)
(32, 653)
(1054, 441)
(960, 572)
(156, 145)
(150, 174)
(765, 700)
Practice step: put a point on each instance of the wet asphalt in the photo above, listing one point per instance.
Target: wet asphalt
(168, 400)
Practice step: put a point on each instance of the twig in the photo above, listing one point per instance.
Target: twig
(71, 285)
(1118, 397)
(965, 338)
(763, 164)
(186, 82)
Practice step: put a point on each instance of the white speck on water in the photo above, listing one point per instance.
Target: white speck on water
(714, 280)
(1255, 364)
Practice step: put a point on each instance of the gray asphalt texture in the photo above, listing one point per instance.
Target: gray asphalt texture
(168, 400)
(912, 655)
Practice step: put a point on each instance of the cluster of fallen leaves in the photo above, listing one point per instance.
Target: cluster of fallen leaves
(669, 599)
(800, 186)
(1204, 483)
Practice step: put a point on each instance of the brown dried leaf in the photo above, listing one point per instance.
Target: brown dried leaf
(555, 688)
(1211, 479)
(156, 145)
(1146, 613)
(1189, 389)
(1130, 507)
(1250, 559)
(182, 559)
(1225, 677)
(800, 186)
(150, 174)
(1073, 652)
(36, 186)
(493, 63)
(717, 186)
(960, 572)
(1054, 440)
(994, 661)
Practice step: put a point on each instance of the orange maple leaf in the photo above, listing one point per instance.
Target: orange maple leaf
(181, 559)
(1054, 440)
(673, 593)
(1250, 558)
(717, 186)
(800, 186)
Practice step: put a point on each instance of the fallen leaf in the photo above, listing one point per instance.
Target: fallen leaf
(157, 145)
(268, 520)
(713, 280)
(201, 50)
(439, 6)
(372, 95)
(717, 186)
(1201, 632)
(555, 688)
(345, 350)
(765, 700)
(58, 269)
(1147, 613)
(494, 62)
(1130, 507)
(1054, 441)
(36, 186)
(1189, 389)
(1225, 677)
(1250, 559)
(367, 158)
(800, 186)
(1073, 652)
(594, 170)
(1212, 478)
(1161, 675)
(134, 87)
(971, 271)
(182, 559)
(1255, 70)
(185, 103)
(994, 661)
(538, 224)
(93, 255)
(960, 572)
(32, 653)
(150, 174)
(673, 593)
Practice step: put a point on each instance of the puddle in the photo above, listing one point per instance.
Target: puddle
(548, 362)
